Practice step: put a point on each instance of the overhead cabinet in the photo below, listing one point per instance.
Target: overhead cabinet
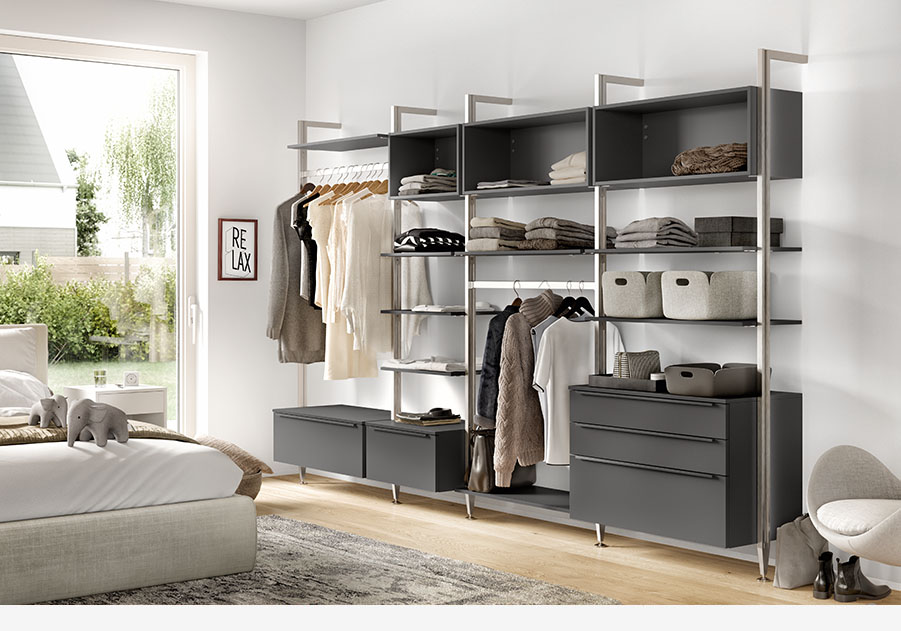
(420, 152)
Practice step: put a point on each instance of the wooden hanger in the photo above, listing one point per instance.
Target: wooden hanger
(518, 300)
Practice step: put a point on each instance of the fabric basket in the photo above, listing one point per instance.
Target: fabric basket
(632, 294)
(691, 295)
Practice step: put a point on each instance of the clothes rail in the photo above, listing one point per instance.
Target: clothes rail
(374, 167)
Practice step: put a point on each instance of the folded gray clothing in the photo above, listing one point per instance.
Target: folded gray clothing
(428, 186)
(490, 245)
(509, 184)
(611, 232)
(554, 222)
(675, 232)
(431, 179)
(656, 225)
(654, 243)
(554, 244)
(495, 222)
(569, 235)
(502, 232)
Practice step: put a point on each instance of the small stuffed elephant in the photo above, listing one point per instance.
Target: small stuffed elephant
(51, 411)
(88, 419)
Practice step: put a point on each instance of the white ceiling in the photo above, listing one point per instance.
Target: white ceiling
(297, 9)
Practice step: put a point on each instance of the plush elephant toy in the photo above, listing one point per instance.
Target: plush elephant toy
(50, 411)
(88, 419)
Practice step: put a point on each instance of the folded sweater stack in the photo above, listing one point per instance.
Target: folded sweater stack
(487, 234)
(656, 232)
(437, 181)
(569, 170)
(551, 233)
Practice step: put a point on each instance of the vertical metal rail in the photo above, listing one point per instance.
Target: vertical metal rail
(764, 313)
(397, 344)
(302, 138)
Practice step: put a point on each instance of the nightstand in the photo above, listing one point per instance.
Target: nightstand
(141, 403)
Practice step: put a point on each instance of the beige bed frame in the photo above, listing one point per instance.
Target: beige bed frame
(91, 553)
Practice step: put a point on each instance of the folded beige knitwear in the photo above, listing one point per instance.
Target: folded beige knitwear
(490, 245)
(558, 234)
(495, 222)
(554, 222)
(655, 243)
(497, 233)
(674, 232)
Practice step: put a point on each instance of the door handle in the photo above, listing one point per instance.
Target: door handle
(647, 467)
(324, 421)
(193, 313)
(387, 430)
(608, 395)
(644, 432)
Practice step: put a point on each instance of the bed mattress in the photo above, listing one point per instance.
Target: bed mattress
(50, 479)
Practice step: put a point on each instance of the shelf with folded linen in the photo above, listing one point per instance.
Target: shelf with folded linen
(443, 366)
(546, 235)
(425, 164)
(538, 154)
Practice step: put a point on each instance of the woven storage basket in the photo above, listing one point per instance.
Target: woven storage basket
(719, 159)
(709, 295)
(632, 294)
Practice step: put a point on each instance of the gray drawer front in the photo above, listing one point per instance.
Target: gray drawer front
(328, 444)
(687, 507)
(636, 412)
(676, 451)
(419, 460)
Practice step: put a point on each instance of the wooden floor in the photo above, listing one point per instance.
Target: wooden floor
(630, 570)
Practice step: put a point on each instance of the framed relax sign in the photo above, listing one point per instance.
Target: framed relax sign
(237, 249)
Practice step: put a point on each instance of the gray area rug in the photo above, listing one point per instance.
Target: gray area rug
(305, 564)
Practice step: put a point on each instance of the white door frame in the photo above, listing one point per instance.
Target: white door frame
(186, 65)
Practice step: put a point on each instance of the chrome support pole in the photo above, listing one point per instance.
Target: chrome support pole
(302, 472)
(303, 127)
(764, 312)
(469, 114)
(395, 494)
(600, 530)
(470, 505)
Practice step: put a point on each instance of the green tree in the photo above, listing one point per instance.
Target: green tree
(87, 218)
(142, 157)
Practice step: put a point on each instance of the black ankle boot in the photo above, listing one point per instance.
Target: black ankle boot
(824, 584)
(850, 584)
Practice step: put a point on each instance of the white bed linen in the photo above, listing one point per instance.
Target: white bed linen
(50, 479)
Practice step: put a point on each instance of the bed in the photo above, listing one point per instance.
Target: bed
(85, 520)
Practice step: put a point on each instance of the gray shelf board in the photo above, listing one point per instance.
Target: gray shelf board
(353, 143)
(403, 254)
(736, 323)
(428, 197)
(684, 101)
(442, 131)
(677, 180)
(521, 191)
(536, 496)
(687, 250)
(559, 117)
(436, 313)
(571, 252)
(414, 371)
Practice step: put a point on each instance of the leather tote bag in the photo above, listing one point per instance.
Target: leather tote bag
(480, 476)
(797, 559)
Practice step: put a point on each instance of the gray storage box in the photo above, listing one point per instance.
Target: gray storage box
(642, 385)
(711, 380)
(727, 239)
(691, 295)
(735, 224)
(632, 294)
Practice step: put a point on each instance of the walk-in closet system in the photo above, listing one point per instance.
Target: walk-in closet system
(725, 450)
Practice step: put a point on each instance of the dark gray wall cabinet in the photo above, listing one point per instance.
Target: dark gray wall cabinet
(419, 152)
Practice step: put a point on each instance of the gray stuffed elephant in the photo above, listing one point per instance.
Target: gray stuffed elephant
(88, 419)
(50, 411)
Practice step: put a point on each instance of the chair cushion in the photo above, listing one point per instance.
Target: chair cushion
(855, 517)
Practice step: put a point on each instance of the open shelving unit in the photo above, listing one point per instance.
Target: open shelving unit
(419, 152)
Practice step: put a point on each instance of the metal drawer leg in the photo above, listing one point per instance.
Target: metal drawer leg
(470, 504)
(599, 529)
(303, 473)
(395, 493)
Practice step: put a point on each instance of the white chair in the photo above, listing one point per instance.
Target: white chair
(855, 503)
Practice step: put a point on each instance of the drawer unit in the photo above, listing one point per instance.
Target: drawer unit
(676, 451)
(331, 438)
(427, 458)
(668, 502)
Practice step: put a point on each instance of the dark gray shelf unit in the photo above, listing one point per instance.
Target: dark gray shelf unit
(696, 250)
(570, 252)
(352, 143)
(636, 142)
(415, 371)
(523, 148)
(536, 496)
(436, 313)
(738, 323)
(419, 152)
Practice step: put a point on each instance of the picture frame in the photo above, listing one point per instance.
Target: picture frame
(237, 249)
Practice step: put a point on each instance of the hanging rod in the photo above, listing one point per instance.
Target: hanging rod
(346, 169)
(533, 284)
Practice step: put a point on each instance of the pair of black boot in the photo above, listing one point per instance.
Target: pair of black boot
(848, 584)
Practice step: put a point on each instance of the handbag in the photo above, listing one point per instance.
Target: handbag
(480, 474)
(630, 365)
(799, 549)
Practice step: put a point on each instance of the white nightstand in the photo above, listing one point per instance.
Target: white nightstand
(141, 403)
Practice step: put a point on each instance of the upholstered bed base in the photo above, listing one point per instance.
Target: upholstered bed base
(76, 555)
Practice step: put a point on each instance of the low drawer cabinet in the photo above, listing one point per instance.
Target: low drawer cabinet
(426, 458)
(680, 467)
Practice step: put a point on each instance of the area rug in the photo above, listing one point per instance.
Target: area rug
(305, 564)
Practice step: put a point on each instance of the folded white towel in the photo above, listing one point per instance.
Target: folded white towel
(569, 180)
(567, 172)
(572, 160)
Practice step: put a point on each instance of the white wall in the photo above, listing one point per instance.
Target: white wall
(37, 206)
(253, 68)
(544, 55)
